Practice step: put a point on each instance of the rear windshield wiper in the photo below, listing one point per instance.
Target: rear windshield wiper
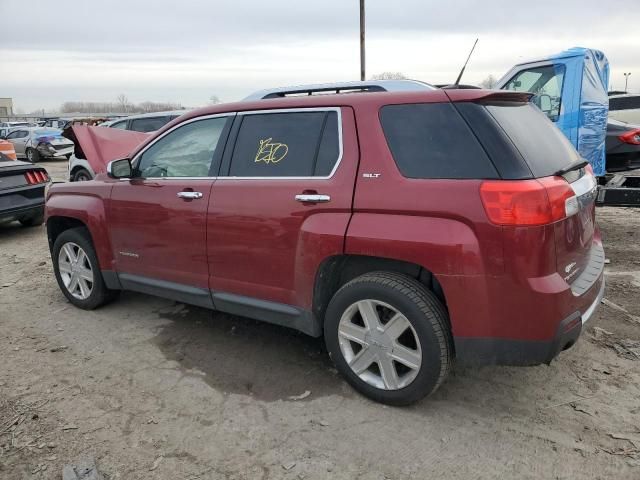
(571, 168)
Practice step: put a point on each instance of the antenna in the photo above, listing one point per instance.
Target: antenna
(465, 64)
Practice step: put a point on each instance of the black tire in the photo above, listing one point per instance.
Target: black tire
(100, 294)
(32, 155)
(33, 220)
(82, 175)
(425, 313)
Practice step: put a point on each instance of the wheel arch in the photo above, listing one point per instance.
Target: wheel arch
(58, 224)
(337, 270)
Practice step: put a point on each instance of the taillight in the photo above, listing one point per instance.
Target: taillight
(632, 137)
(35, 177)
(528, 202)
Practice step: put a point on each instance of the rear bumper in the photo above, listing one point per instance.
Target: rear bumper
(561, 313)
(22, 202)
(501, 351)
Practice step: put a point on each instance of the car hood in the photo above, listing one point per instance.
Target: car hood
(100, 145)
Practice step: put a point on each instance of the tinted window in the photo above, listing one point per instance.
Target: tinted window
(297, 144)
(121, 125)
(543, 146)
(185, 152)
(546, 85)
(433, 141)
(329, 146)
(150, 124)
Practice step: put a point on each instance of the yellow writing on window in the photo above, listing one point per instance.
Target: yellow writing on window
(269, 152)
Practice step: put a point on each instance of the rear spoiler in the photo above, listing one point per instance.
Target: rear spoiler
(488, 96)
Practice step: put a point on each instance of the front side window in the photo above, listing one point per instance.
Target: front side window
(150, 124)
(287, 144)
(546, 85)
(18, 134)
(121, 125)
(186, 151)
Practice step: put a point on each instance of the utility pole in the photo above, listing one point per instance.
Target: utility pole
(626, 81)
(362, 69)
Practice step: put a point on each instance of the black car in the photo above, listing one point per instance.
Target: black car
(622, 146)
(22, 192)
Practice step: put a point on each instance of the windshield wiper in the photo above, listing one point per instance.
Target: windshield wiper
(571, 168)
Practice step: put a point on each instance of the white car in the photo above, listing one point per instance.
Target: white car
(6, 127)
(80, 170)
(36, 143)
(625, 108)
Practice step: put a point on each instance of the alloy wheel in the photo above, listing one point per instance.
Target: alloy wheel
(75, 270)
(379, 344)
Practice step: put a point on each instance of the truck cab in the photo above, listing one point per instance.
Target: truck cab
(570, 87)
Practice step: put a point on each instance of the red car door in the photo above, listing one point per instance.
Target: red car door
(158, 217)
(280, 206)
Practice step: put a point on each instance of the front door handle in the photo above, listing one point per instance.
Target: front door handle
(313, 198)
(190, 195)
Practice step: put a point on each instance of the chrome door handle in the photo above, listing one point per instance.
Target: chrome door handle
(189, 195)
(313, 198)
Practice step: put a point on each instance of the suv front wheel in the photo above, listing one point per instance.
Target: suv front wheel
(389, 337)
(77, 270)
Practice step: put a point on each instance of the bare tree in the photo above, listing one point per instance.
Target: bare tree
(123, 101)
(214, 100)
(489, 82)
(389, 76)
(118, 107)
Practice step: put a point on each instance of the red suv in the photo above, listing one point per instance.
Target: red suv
(410, 228)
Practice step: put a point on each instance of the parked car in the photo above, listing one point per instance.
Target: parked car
(22, 192)
(81, 170)
(6, 127)
(34, 143)
(625, 108)
(409, 228)
(623, 146)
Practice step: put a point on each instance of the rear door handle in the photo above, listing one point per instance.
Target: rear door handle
(313, 198)
(189, 195)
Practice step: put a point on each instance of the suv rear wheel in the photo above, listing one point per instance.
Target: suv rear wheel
(77, 270)
(389, 337)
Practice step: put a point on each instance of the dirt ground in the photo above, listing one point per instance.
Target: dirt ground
(155, 389)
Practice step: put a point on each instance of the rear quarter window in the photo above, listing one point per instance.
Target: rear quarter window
(431, 140)
(543, 146)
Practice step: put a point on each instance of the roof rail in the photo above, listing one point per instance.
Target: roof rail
(341, 87)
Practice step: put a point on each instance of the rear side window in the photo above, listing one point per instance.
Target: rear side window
(150, 124)
(288, 144)
(431, 140)
(543, 146)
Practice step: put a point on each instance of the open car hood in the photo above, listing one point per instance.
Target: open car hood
(100, 145)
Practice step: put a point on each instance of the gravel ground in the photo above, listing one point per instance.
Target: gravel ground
(154, 389)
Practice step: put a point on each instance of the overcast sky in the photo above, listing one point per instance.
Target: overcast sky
(187, 50)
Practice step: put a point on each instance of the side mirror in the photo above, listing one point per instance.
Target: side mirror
(120, 168)
(545, 103)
